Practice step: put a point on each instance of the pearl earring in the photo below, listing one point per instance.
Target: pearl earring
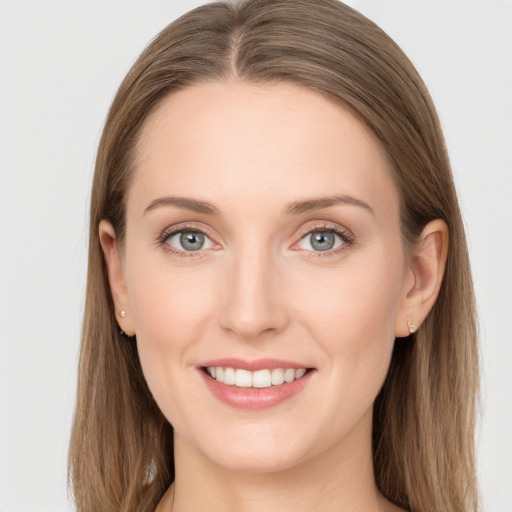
(122, 314)
(412, 327)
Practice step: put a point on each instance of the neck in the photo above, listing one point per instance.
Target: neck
(341, 479)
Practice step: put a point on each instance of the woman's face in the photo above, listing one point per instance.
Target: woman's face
(263, 236)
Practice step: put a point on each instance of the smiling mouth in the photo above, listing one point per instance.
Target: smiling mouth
(265, 378)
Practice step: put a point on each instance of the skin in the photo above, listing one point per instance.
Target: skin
(260, 290)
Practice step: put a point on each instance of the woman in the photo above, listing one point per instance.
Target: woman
(279, 304)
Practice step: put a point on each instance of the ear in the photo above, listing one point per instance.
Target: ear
(116, 277)
(427, 267)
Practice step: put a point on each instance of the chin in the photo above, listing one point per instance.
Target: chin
(249, 450)
(251, 459)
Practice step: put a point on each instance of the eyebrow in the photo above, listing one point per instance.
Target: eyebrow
(294, 208)
(185, 203)
(308, 205)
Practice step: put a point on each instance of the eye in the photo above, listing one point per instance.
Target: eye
(322, 240)
(188, 241)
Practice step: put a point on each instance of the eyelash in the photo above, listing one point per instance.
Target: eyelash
(170, 232)
(345, 235)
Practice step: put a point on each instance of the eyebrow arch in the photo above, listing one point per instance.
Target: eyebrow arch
(308, 205)
(185, 203)
(295, 208)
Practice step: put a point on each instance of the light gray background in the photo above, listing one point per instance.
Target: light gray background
(60, 64)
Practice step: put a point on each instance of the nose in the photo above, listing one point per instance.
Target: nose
(253, 302)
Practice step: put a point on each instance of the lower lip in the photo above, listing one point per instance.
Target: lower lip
(255, 398)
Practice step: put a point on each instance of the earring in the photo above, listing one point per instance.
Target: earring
(122, 314)
(412, 327)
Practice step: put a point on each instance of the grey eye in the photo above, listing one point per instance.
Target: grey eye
(192, 241)
(189, 241)
(321, 241)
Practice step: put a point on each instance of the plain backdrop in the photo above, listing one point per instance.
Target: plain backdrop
(60, 65)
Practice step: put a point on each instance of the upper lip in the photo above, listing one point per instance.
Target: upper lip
(252, 365)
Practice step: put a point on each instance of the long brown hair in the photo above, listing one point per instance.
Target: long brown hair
(121, 454)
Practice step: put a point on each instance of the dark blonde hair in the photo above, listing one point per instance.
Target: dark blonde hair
(121, 454)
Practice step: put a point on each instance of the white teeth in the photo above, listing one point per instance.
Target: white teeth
(259, 379)
(243, 378)
(289, 375)
(300, 373)
(277, 376)
(229, 376)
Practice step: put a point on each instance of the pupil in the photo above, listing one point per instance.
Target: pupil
(322, 241)
(192, 241)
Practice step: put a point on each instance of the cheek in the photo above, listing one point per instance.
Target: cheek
(171, 310)
(350, 316)
(169, 306)
(351, 313)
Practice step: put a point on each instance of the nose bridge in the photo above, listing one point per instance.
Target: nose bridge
(252, 304)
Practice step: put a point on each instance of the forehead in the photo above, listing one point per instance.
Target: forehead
(270, 143)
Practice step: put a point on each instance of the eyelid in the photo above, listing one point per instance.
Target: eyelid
(185, 227)
(326, 226)
(344, 233)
